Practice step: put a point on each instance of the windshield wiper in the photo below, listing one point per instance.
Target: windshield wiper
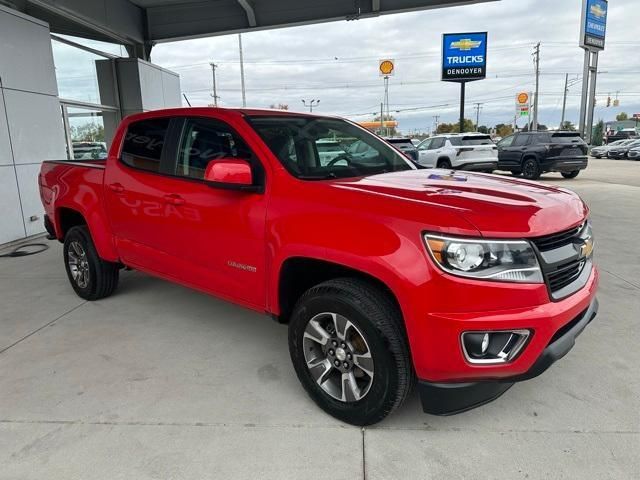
(324, 176)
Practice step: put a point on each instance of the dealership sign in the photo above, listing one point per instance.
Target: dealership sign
(594, 24)
(464, 56)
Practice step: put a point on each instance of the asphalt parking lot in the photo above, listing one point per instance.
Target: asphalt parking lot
(160, 382)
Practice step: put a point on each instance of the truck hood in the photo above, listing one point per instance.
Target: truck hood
(497, 206)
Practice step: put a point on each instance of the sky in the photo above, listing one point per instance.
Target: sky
(337, 63)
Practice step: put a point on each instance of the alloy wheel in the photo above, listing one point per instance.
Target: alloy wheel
(338, 357)
(78, 264)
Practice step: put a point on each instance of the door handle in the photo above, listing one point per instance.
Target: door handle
(116, 187)
(174, 199)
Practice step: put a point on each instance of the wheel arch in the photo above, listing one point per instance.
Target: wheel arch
(67, 217)
(298, 274)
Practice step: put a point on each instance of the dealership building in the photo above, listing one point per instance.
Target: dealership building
(62, 96)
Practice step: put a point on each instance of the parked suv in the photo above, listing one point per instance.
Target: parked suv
(534, 153)
(406, 146)
(467, 151)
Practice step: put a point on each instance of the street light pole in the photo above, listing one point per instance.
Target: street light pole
(564, 100)
(311, 104)
(215, 93)
(536, 54)
(244, 97)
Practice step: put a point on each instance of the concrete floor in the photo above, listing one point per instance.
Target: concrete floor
(159, 382)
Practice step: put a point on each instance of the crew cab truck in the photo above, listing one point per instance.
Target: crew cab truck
(534, 153)
(386, 275)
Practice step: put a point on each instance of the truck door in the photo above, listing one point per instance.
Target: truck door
(512, 149)
(214, 236)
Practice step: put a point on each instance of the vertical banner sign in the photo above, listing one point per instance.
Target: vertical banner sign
(523, 104)
(464, 56)
(594, 24)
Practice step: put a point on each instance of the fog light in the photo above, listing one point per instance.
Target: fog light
(493, 347)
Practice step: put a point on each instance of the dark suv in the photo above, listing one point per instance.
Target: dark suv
(533, 153)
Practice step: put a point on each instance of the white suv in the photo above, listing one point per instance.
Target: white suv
(466, 151)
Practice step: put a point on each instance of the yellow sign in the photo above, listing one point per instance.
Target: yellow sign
(523, 98)
(466, 44)
(387, 67)
(597, 11)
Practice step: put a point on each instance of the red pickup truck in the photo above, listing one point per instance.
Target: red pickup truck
(387, 275)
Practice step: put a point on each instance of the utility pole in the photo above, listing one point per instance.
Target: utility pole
(311, 104)
(463, 84)
(215, 93)
(478, 107)
(564, 100)
(244, 97)
(536, 61)
(436, 118)
(381, 118)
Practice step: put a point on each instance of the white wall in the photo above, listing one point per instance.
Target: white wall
(30, 121)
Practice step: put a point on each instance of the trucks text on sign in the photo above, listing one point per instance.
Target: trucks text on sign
(464, 56)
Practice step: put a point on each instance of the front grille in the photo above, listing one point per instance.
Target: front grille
(564, 275)
(556, 240)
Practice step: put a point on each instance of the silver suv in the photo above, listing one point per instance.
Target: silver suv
(466, 151)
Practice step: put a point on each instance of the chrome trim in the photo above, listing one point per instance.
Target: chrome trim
(504, 357)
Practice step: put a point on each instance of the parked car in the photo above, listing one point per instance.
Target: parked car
(534, 153)
(603, 150)
(386, 274)
(89, 150)
(328, 150)
(405, 145)
(624, 134)
(634, 153)
(619, 152)
(467, 151)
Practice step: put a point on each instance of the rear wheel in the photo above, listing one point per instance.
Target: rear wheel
(531, 169)
(444, 163)
(572, 174)
(91, 277)
(349, 350)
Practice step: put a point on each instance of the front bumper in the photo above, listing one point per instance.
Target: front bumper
(451, 398)
(566, 164)
(618, 155)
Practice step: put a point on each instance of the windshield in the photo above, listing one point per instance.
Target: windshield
(299, 143)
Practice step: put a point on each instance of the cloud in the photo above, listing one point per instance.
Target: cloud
(337, 63)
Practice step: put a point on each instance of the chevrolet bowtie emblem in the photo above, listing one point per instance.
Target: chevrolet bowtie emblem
(598, 11)
(466, 44)
(586, 249)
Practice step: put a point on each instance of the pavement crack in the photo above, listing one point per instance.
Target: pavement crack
(42, 327)
(620, 278)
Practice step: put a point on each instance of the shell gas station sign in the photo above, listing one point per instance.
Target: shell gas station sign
(386, 67)
(523, 104)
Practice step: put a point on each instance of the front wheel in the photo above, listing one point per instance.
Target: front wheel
(531, 169)
(91, 277)
(444, 163)
(572, 174)
(349, 350)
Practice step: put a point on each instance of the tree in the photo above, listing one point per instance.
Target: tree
(622, 116)
(469, 126)
(483, 129)
(598, 134)
(89, 132)
(503, 130)
(568, 126)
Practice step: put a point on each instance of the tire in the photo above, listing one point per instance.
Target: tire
(91, 277)
(375, 320)
(531, 169)
(572, 174)
(444, 163)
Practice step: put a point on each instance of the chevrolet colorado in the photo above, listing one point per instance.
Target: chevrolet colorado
(386, 275)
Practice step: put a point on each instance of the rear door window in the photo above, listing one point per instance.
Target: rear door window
(144, 142)
(520, 140)
(436, 143)
(567, 138)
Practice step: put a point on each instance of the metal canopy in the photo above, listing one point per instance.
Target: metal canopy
(147, 22)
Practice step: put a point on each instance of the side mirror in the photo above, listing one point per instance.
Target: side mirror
(232, 173)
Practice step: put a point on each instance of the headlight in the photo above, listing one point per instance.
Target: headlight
(504, 260)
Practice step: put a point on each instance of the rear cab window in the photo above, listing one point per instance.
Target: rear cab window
(471, 140)
(144, 142)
